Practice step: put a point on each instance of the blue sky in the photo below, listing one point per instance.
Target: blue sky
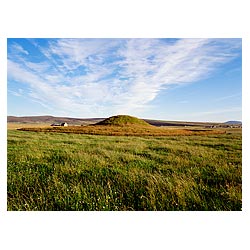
(168, 79)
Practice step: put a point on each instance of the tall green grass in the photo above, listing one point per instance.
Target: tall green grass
(53, 171)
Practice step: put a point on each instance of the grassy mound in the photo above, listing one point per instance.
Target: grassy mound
(123, 120)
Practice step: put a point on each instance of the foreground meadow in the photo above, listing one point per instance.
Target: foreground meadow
(59, 171)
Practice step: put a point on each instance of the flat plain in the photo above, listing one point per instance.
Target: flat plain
(68, 171)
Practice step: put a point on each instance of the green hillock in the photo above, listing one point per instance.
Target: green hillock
(123, 120)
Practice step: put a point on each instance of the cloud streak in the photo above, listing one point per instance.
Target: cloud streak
(108, 76)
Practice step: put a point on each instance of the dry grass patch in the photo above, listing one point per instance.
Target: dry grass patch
(15, 125)
(135, 130)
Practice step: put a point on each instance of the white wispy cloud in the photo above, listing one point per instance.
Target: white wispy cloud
(217, 111)
(228, 97)
(18, 49)
(114, 75)
(221, 114)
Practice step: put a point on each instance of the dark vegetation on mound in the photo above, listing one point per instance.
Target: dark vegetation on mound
(123, 120)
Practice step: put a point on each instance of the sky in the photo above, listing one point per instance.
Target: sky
(165, 79)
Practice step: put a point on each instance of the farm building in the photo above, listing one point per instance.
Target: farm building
(64, 124)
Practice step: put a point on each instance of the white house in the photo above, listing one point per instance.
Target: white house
(64, 124)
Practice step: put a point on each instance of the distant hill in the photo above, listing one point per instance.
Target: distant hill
(233, 122)
(87, 121)
(52, 119)
(123, 120)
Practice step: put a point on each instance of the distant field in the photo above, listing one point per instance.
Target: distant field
(60, 171)
(126, 130)
(16, 125)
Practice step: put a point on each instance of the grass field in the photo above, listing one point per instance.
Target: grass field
(125, 130)
(60, 171)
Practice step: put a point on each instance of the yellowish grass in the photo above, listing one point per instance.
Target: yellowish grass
(15, 125)
(135, 130)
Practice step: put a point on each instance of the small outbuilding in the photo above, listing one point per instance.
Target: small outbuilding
(64, 124)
